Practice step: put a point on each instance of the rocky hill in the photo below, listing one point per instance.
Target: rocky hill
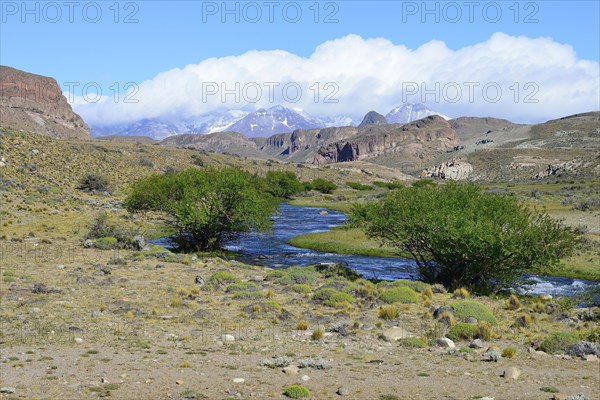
(422, 139)
(219, 142)
(35, 103)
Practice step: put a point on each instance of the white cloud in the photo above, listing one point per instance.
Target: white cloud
(539, 79)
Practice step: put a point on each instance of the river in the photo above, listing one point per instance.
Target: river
(270, 249)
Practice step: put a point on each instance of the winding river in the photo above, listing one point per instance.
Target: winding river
(271, 250)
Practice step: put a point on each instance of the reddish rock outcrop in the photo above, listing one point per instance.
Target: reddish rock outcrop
(35, 103)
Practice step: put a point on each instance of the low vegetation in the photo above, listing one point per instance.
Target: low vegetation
(488, 242)
(206, 206)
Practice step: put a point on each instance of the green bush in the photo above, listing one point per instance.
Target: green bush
(322, 295)
(401, 294)
(242, 287)
(248, 295)
(223, 278)
(358, 186)
(284, 184)
(301, 288)
(206, 206)
(413, 342)
(106, 243)
(301, 275)
(474, 309)
(488, 241)
(279, 276)
(558, 342)
(462, 331)
(323, 186)
(417, 286)
(338, 299)
(296, 392)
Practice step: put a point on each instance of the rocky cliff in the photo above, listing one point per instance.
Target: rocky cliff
(35, 103)
(420, 139)
(301, 145)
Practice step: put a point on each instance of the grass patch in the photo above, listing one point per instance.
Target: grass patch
(296, 392)
(388, 312)
(462, 331)
(558, 342)
(341, 240)
(401, 294)
(474, 309)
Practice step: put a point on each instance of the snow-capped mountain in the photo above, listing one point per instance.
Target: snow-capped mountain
(260, 123)
(277, 119)
(410, 112)
(160, 128)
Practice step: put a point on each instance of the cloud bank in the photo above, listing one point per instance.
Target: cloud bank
(515, 77)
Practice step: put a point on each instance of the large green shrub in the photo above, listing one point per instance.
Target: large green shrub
(323, 185)
(284, 184)
(460, 235)
(206, 206)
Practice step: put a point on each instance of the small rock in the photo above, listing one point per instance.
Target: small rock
(179, 382)
(54, 212)
(96, 314)
(78, 340)
(491, 356)
(258, 278)
(470, 320)
(511, 373)
(7, 389)
(440, 310)
(591, 357)
(446, 343)
(60, 266)
(199, 280)
(239, 380)
(88, 244)
(476, 344)
(228, 338)
(291, 370)
(546, 297)
(396, 333)
(305, 378)
(103, 269)
(342, 391)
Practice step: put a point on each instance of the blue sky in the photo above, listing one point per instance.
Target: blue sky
(164, 35)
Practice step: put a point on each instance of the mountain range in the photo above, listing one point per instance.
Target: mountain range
(260, 123)
(433, 145)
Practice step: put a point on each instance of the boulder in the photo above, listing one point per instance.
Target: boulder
(511, 373)
(445, 343)
(396, 333)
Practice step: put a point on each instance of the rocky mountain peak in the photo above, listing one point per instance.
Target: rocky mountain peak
(35, 103)
(373, 118)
